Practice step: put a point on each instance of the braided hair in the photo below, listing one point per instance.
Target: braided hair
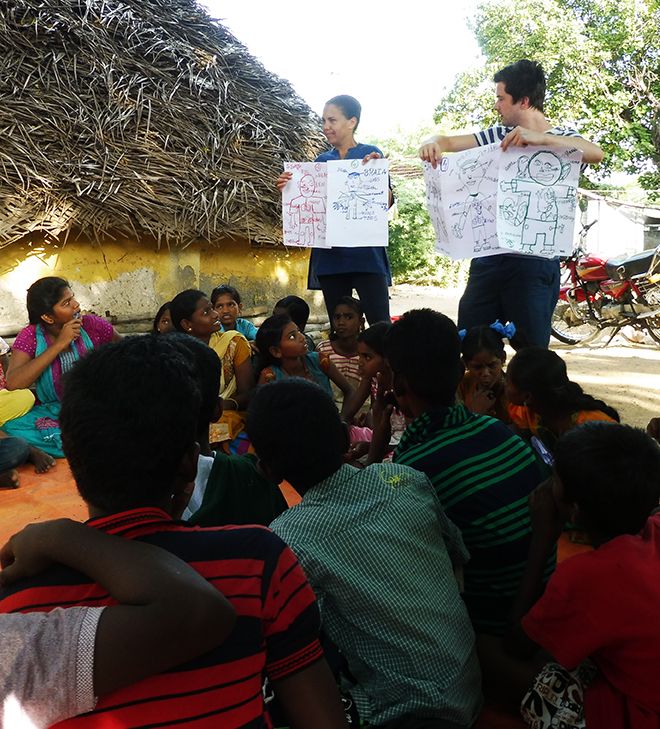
(543, 373)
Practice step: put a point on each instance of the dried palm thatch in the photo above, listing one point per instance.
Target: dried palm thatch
(139, 117)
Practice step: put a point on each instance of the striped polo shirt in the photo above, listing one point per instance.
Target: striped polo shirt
(276, 632)
(483, 474)
(497, 133)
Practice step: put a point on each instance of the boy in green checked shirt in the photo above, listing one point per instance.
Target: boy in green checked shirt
(482, 473)
(380, 554)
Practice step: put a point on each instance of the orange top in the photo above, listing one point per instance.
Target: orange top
(522, 417)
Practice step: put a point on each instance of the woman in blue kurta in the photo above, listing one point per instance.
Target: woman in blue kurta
(337, 271)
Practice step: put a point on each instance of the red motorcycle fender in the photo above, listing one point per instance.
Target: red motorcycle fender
(578, 294)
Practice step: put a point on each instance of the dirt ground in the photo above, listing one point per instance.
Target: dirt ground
(625, 375)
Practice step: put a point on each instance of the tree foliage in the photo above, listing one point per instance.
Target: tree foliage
(602, 59)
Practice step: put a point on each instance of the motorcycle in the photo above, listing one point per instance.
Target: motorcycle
(598, 294)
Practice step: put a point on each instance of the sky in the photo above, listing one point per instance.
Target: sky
(395, 60)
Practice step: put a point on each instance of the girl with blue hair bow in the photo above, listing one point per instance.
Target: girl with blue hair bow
(482, 387)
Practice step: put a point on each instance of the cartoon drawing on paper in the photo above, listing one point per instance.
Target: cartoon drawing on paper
(435, 206)
(304, 205)
(475, 208)
(532, 213)
(355, 201)
(307, 212)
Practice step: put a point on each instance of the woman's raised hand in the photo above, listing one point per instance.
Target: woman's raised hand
(69, 332)
(371, 155)
(283, 179)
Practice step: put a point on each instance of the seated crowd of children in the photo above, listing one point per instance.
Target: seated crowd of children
(415, 488)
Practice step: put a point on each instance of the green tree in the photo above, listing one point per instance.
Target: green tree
(602, 59)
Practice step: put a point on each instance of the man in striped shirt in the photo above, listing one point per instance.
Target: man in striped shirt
(514, 287)
(129, 417)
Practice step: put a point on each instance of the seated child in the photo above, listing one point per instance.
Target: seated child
(342, 348)
(228, 489)
(482, 386)
(58, 335)
(54, 664)
(227, 302)
(374, 373)
(163, 320)
(298, 310)
(543, 402)
(283, 352)
(192, 313)
(600, 606)
(482, 472)
(379, 553)
(151, 419)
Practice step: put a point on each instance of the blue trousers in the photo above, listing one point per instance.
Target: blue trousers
(13, 452)
(514, 288)
(371, 289)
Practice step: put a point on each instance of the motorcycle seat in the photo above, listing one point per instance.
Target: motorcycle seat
(622, 268)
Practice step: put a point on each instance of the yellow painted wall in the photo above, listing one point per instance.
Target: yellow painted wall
(129, 280)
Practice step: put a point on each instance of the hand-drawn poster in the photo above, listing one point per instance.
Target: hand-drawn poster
(469, 193)
(435, 207)
(357, 203)
(536, 200)
(462, 201)
(304, 205)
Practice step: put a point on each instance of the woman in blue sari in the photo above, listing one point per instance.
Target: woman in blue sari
(44, 351)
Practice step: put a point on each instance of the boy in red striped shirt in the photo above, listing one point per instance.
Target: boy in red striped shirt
(140, 398)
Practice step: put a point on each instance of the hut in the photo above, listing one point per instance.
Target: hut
(140, 144)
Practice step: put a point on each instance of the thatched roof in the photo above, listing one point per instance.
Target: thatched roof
(140, 117)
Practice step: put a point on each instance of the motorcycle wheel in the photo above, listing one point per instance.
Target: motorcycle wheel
(653, 329)
(567, 332)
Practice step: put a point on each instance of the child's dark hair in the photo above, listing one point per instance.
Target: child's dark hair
(349, 105)
(482, 339)
(159, 314)
(374, 336)
(425, 348)
(208, 371)
(352, 303)
(149, 417)
(43, 295)
(543, 373)
(183, 306)
(296, 431)
(612, 472)
(225, 290)
(269, 335)
(297, 309)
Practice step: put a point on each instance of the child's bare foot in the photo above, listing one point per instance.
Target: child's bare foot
(42, 461)
(9, 479)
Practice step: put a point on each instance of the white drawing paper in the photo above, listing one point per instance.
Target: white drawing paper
(436, 208)
(469, 193)
(537, 198)
(357, 203)
(304, 200)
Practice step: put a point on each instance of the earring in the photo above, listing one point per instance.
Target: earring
(190, 329)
